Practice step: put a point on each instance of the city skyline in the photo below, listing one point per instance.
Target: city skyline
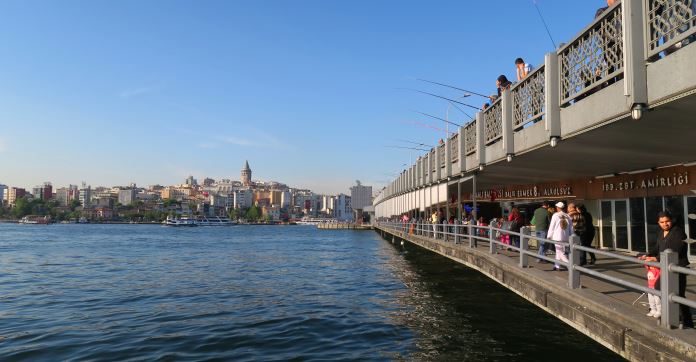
(309, 94)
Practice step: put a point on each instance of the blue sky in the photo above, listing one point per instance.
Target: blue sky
(112, 92)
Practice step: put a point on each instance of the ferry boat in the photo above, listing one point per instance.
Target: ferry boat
(35, 220)
(214, 221)
(314, 221)
(183, 221)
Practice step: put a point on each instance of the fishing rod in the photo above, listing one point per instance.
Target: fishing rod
(407, 148)
(544, 22)
(415, 143)
(441, 97)
(461, 110)
(453, 87)
(441, 119)
(427, 126)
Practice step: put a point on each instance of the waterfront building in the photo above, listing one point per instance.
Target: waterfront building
(43, 192)
(285, 199)
(63, 196)
(243, 198)
(177, 193)
(15, 193)
(246, 174)
(361, 196)
(3, 192)
(208, 181)
(126, 197)
(191, 182)
(85, 195)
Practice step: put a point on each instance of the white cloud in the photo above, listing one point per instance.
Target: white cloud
(129, 93)
(208, 145)
(232, 140)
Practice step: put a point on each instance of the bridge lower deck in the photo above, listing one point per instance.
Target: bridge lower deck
(611, 314)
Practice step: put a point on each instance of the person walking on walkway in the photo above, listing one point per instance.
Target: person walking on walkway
(560, 229)
(587, 236)
(515, 220)
(672, 237)
(540, 220)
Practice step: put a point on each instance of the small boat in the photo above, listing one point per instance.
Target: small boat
(183, 221)
(35, 220)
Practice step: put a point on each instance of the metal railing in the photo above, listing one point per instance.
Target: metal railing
(528, 98)
(470, 140)
(454, 148)
(459, 233)
(493, 122)
(669, 23)
(593, 57)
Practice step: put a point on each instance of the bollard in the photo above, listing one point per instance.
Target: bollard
(573, 261)
(490, 240)
(524, 246)
(669, 286)
(456, 231)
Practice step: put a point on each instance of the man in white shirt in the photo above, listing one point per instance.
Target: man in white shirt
(560, 229)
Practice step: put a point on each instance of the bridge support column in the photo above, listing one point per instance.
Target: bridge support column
(492, 245)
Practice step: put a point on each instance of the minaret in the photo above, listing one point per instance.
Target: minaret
(246, 175)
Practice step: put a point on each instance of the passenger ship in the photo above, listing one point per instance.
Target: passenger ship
(198, 221)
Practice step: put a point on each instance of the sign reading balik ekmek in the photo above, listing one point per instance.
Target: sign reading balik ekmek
(530, 192)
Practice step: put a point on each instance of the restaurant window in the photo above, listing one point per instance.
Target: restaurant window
(691, 219)
(653, 206)
(637, 225)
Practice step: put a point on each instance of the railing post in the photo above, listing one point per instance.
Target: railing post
(456, 231)
(524, 246)
(470, 230)
(573, 261)
(668, 287)
(508, 129)
(480, 139)
(552, 102)
(492, 245)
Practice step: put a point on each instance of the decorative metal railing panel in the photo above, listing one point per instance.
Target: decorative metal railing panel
(454, 148)
(443, 155)
(470, 140)
(594, 57)
(670, 22)
(528, 99)
(493, 122)
(433, 166)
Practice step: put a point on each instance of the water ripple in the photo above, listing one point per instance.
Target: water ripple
(144, 293)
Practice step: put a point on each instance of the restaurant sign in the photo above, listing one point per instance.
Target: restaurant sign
(652, 182)
(525, 192)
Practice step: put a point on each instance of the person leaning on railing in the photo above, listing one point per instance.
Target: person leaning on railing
(672, 237)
